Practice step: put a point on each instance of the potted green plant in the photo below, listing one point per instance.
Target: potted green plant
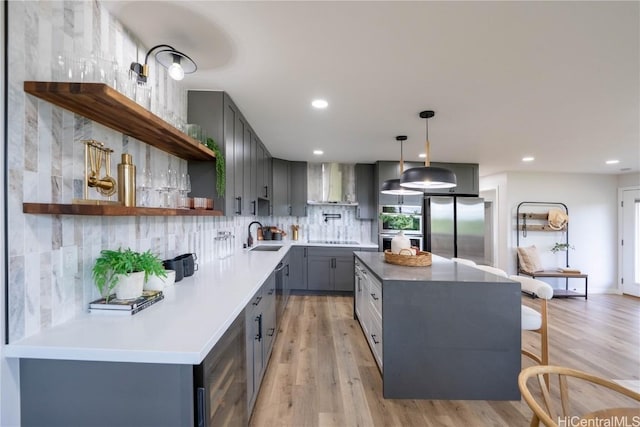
(125, 271)
(561, 247)
(220, 166)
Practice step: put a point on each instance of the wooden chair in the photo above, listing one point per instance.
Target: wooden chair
(533, 320)
(549, 417)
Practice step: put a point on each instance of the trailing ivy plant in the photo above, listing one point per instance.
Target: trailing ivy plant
(220, 166)
(557, 247)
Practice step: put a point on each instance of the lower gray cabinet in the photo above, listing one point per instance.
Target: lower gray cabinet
(260, 335)
(298, 267)
(330, 269)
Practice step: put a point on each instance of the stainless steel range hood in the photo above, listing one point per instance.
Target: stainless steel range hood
(331, 184)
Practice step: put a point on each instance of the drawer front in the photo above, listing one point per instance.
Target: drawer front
(375, 294)
(375, 337)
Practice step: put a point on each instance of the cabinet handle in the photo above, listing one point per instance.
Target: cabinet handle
(270, 291)
(357, 212)
(290, 209)
(266, 191)
(359, 284)
(239, 207)
(201, 407)
(373, 337)
(259, 334)
(253, 207)
(287, 273)
(375, 298)
(305, 252)
(257, 301)
(305, 210)
(271, 331)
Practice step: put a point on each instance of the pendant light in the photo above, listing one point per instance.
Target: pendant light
(428, 176)
(392, 186)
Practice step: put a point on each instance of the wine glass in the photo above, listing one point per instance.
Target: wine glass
(172, 187)
(146, 184)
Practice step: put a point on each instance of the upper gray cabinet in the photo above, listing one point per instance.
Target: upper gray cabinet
(298, 186)
(365, 187)
(248, 166)
(467, 177)
(289, 188)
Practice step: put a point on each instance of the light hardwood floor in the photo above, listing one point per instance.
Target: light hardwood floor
(322, 373)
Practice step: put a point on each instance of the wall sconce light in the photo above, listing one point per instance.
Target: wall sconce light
(177, 63)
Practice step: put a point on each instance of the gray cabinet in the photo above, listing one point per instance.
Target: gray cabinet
(365, 186)
(298, 186)
(289, 188)
(330, 269)
(245, 168)
(467, 177)
(391, 170)
(298, 267)
(280, 199)
(260, 335)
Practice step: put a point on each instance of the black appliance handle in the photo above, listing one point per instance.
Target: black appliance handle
(202, 416)
(259, 320)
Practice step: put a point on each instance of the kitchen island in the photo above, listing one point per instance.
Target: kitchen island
(447, 331)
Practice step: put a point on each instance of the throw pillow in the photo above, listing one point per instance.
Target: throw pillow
(529, 259)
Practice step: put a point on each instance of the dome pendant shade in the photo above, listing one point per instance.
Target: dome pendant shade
(392, 186)
(428, 177)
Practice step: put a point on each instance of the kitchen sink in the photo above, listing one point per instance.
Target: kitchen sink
(265, 248)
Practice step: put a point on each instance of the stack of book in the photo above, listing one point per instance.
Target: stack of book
(125, 306)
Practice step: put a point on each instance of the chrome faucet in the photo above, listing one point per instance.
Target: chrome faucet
(250, 239)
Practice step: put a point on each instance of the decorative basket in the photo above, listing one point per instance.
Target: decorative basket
(421, 259)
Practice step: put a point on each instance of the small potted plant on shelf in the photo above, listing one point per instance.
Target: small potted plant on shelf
(125, 271)
(561, 247)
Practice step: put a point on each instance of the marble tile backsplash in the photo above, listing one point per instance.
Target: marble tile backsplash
(50, 257)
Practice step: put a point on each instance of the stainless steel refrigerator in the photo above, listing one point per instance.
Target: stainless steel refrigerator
(454, 227)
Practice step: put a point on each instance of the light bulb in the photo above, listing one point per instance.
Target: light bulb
(176, 72)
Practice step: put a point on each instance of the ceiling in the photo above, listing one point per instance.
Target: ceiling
(559, 81)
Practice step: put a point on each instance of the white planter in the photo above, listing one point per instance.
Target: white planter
(156, 283)
(130, 287)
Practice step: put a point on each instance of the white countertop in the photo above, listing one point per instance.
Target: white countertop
(180, 329)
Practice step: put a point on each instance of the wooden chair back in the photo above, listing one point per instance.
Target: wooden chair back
(546, 411)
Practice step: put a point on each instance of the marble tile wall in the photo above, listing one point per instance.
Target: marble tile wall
(50, 257)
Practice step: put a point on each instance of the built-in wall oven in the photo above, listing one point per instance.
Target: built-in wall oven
(396, 218)
(384, 241)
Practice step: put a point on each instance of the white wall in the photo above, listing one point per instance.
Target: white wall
(629, 180)
(592, 203)
(497, 185)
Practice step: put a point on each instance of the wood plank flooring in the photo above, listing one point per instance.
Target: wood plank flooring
(322, 373)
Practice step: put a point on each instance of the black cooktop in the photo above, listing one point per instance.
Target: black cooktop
(335, 242)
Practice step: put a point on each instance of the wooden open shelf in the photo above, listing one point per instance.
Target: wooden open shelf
(107, 106)
(110, 210)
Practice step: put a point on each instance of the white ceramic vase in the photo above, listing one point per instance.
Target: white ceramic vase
(156, 283)
(130, 287)
(400, 242)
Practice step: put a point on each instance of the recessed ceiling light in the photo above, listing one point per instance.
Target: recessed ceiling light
(528, 159)
(422, 155)
(319, 103)
(318, 152)
(612, 162)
